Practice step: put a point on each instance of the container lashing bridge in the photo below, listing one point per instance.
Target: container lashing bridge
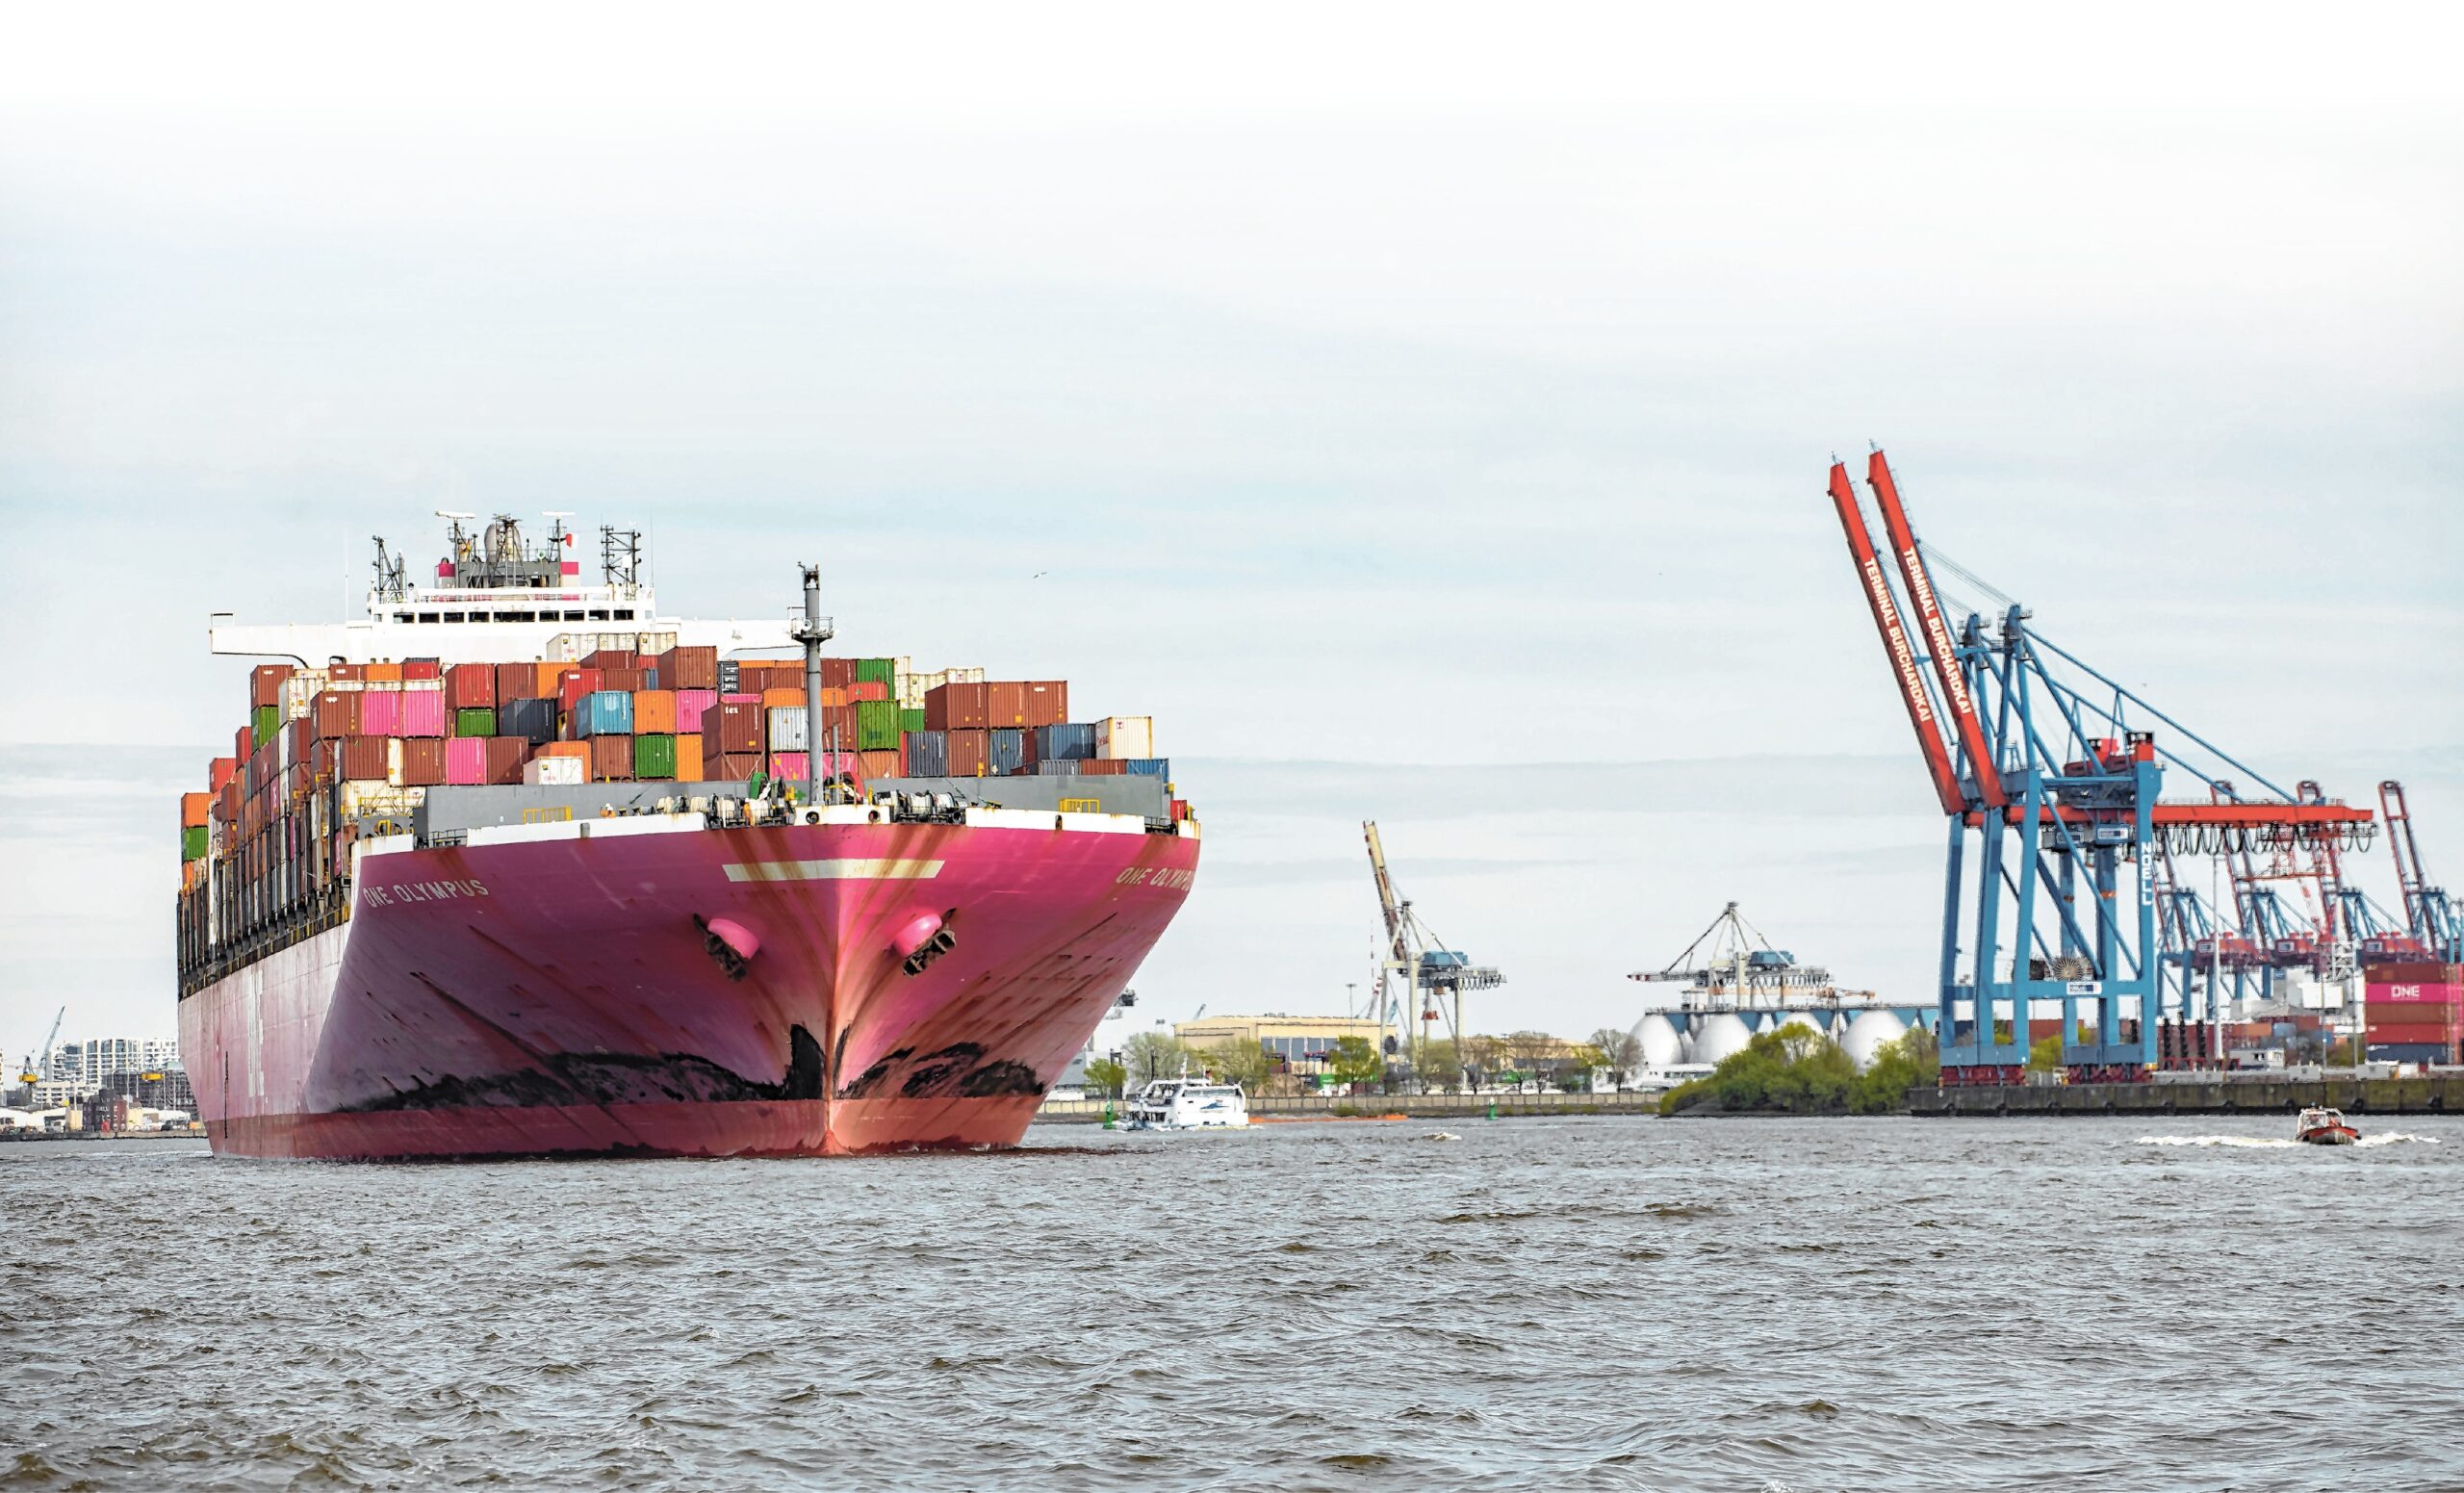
(2057, 885)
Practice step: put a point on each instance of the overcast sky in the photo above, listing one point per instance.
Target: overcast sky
(1421, 412)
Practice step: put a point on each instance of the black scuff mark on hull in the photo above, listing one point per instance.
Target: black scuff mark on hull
(959, 1070)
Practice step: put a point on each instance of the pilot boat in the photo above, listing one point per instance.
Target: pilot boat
(2319, 1126)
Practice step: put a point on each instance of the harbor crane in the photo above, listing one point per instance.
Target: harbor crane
(1738, 968)
(2436, 927)
(1417, 968)
(35, 1064)
(2048, 774)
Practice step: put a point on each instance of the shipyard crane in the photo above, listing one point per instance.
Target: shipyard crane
(2432, 921)
(1432, 976)
(2048, 775)
(37, 1063)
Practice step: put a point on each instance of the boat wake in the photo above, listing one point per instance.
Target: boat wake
(2276, 1143)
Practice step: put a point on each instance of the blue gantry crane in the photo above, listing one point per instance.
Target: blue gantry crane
(2050, 776)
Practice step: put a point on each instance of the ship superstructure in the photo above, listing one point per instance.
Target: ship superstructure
(520, 868)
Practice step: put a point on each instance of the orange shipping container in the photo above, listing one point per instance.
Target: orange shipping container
(688, 759)
(781, 699)
(877, 764)
(574, 749)
(543, 684)
(375, 673)
(194, 809)
(654, 712)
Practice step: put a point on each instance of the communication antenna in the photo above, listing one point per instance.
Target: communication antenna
(620, 556)
(456, 538)
(555, 518)
(390, 584)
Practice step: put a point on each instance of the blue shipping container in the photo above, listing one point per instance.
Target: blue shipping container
(1149, 766)
(1008, 750)
(532, 720)
(928, 753)
(606, 712)
(1065, 743)
(2410, 1052)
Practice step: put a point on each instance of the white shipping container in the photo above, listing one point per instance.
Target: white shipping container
(394, 760)
(1125, 738)
(788, 729)
(554, 772)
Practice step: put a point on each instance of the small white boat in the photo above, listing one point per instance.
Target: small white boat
(2319, 1126)
(1186, 1103)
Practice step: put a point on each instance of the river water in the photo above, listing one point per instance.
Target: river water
(1565, 1303)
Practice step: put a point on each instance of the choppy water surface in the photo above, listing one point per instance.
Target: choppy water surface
(1578, 1303)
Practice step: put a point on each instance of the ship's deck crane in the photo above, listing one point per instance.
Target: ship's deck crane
(1432, 976)
(38, 1063)
(2049, 780)
(2429, 917)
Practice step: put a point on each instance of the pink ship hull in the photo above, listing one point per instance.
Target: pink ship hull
(562, 996)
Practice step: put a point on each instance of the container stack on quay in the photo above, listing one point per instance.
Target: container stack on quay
(2413, 1013)
(332, 753)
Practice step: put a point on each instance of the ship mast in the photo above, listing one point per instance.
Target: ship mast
(812, 630)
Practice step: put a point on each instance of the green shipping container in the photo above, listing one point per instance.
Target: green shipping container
(877, 724)
(876, 671)
(263, 723)
(654, 757)
(912, 720)
(192, 843)
(471, 722)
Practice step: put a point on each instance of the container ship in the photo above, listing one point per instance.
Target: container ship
(517, 867)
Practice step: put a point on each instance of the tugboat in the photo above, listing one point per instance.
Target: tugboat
(1186, 1103)
(2319, 1126)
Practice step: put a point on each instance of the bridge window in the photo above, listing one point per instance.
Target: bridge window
(428, 616)
(624, 614)
(453, 616)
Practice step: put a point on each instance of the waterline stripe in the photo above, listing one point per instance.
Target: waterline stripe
(834, 871)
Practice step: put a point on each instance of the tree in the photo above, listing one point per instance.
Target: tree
(1621, 1052)
(1482, 1056)
(1575, 1075)
(2045, 1057)
(1107, 1077)
(1355, 1060)
(1530, 1051)
(1238, 1063)
(1153, 1055)
(1441, 1065)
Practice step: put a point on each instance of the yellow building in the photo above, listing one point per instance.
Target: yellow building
(1302, 1041)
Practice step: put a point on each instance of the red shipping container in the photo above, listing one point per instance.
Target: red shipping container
(970, 753)
(335, 714)
(264, 683)
(367, 758)
(218, 772)
(731, 727)
(611, 758)
(688, 668)
(627, 680)
(471, 686)
(244, 743)
(837, 673)
(505, 756)
(573, 683)
(516, 682)
(2413, 973)
(2443, 1036)
(958, 708)
(738, 766)
(422, 668)
(612, 659)
(2413, 992)
(877, 764)
(1047, 702)
(347, 673)
(422, 761)
(867, 689)
(1103, 767)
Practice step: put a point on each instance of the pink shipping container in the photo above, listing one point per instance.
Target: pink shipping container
(689, 706)
(792, 766)
(423, 713)
(2424, 992)
(380, 712)
(465, 760)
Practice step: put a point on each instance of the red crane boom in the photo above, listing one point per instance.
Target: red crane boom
(1903, 656)
(1936, 631)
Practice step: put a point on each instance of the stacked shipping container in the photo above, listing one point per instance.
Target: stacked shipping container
(2413, 1013)
(326, 750)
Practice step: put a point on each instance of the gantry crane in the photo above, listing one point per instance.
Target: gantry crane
(2049, 779)
(2436, 928)
(1418, 968)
